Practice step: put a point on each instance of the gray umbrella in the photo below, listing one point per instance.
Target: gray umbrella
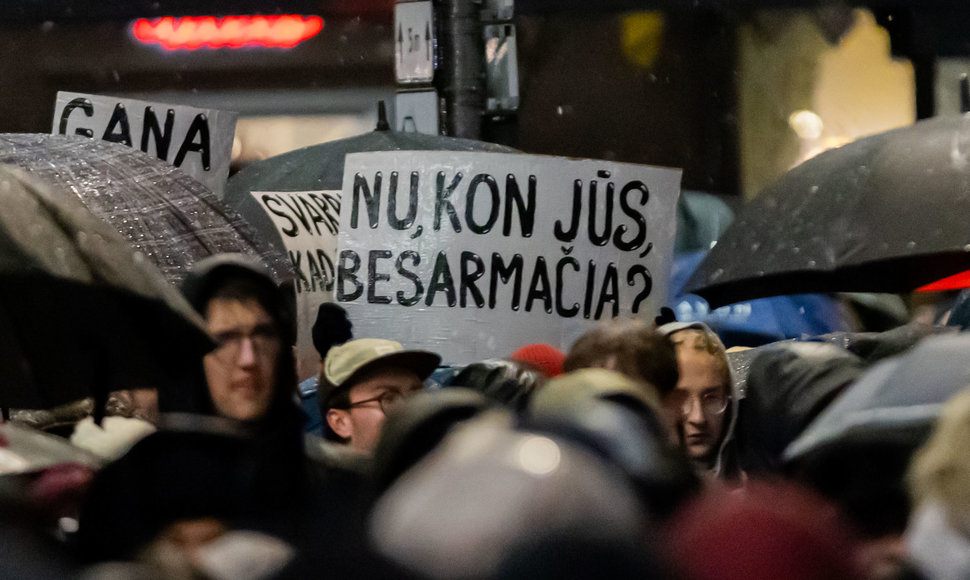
(887, 213)
(321, 167)
(898, 400)
(81, 313)
(171, 218)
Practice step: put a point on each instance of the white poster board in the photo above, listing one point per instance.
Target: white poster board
(473, 255)
(199, 141)
(307, 221)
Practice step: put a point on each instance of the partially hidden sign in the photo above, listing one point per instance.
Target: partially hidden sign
(473, 255)
(308, 222)
(199, 141)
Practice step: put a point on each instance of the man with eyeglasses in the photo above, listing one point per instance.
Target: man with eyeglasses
(249, 373)
(362, 381)
(702, 408)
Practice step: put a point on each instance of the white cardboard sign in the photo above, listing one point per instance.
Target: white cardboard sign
(473, 255)
(307, 222)
(199, 141)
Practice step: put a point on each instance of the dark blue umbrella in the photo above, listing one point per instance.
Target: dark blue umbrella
(758, 321)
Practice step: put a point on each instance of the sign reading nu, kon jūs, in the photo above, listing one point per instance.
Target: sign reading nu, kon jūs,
(475, 254)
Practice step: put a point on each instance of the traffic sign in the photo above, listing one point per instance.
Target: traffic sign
(416, 111)
(414, 42)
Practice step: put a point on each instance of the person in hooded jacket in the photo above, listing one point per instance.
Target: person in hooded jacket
(251, 377)
(788, 386)
(703, 407)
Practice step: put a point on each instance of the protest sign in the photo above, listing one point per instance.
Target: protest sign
(307, 221)
(473, 255)
(199, 141)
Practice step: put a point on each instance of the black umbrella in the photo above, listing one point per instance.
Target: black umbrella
(81, 313)
(887, 213)
(171, 218)
(896, 401)
(321, 167)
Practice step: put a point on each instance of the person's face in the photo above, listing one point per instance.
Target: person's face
(362, 421)
(241, 370)
(697, 404)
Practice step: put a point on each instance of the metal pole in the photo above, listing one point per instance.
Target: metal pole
(460, 76)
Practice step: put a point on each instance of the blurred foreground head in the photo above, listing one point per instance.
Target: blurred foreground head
(938, 537)
(621, 421)
(488, 490)
(166, 478)
(766, 533)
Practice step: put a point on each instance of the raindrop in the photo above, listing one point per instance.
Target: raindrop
(755, 246)
(47, 26)
(761, 272)
(966, 248)
(559, 110)
(910, 245)
(717, 274)
(813, 189)
(811, 263)
(796, 250)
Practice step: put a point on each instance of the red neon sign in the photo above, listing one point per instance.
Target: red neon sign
(191, 33)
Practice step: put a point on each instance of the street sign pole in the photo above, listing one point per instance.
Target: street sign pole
(460, 78)
(454, 60)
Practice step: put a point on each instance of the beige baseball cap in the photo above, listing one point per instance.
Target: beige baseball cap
(346, 363)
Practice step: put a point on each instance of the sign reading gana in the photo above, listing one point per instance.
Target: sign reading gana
(475, 254)
(199, 141)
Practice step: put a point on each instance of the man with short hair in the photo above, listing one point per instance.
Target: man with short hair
(362, 381)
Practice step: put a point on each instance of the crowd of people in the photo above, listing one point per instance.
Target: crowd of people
(647, 450)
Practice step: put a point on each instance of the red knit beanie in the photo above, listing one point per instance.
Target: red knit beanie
(544, 357)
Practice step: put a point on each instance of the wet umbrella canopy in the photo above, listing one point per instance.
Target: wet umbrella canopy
(897, 400)
(321, 167)
(81, 313)
(171, 218)
(887, 213)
